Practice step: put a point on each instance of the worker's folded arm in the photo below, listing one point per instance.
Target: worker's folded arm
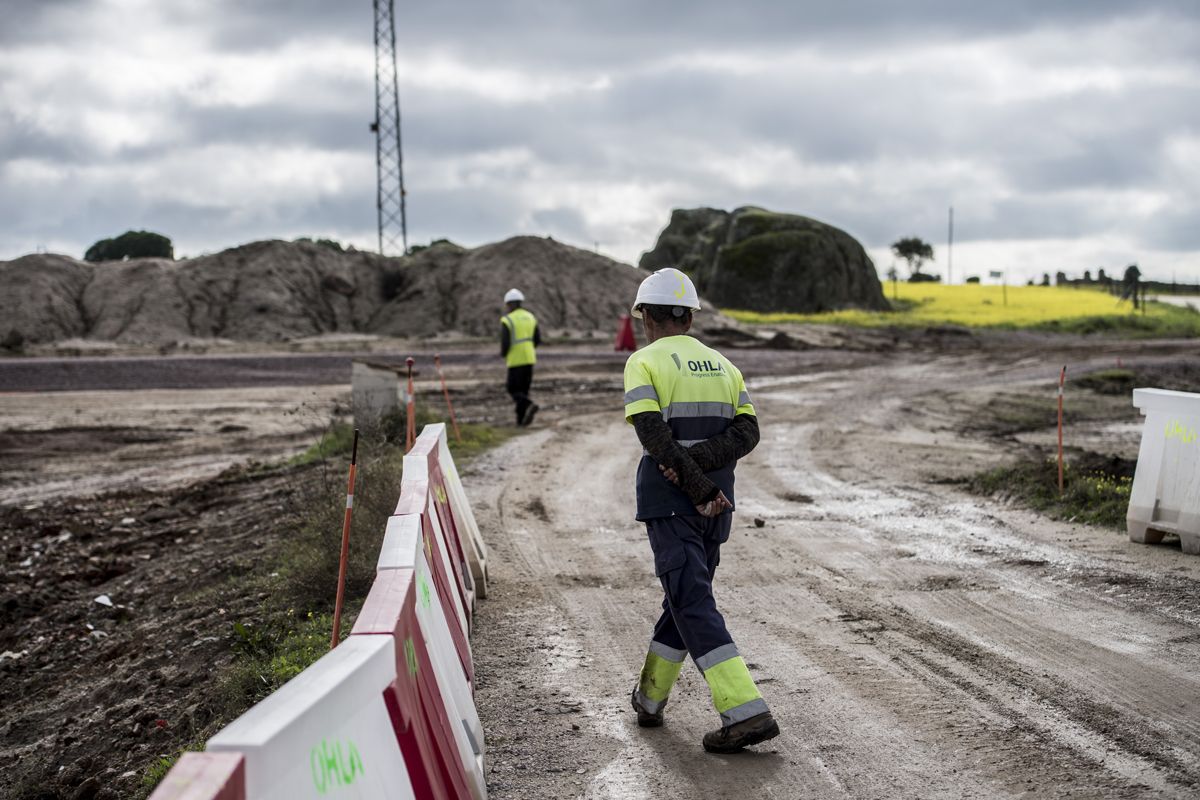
(537, 335)
(656, 438)
(503, 340)
(725, 448)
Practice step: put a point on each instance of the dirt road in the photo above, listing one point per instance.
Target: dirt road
(912, 640)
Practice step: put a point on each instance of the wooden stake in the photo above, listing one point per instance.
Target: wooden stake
(1062, 378)
(341, 587)
(410, 411)
(437, 362)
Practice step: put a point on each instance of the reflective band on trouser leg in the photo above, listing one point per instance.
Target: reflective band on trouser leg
(659, 674)
(733, 691)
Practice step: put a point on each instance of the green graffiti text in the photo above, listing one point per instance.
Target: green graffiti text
(334, 764)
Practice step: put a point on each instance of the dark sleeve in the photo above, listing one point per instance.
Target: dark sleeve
(503, 340)
(656, 438)
(537, 335)
(738, 439)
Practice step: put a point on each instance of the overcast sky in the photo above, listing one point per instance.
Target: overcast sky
(1066, 135)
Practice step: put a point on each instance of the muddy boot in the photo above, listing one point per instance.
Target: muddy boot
(757, 729)
(529, 412)
(645, 718)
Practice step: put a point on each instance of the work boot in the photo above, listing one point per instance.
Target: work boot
(742, 734)
(645, 718)
(529, 412)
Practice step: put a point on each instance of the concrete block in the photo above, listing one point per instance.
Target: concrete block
(1165, 497)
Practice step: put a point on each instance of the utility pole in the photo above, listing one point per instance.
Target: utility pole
(389, 161)
(950, 250)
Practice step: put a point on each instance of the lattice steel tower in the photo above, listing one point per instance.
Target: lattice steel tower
(389, 162)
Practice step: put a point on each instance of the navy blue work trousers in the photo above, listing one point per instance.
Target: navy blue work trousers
(687, 551)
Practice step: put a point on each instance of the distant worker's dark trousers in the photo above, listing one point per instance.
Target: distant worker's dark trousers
(517, 385)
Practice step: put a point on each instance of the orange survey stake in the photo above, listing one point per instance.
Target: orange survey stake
(341, 587)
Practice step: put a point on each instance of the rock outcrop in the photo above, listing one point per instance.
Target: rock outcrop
(760, 260)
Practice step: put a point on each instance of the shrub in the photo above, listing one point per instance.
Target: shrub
(131, 244)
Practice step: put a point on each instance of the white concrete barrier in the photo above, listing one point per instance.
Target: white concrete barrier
(464, 517)
(408, 552)
(427, 733)
(1165, 497)
(406, 538)
(424, 463)
(390, 712)
(326, 732)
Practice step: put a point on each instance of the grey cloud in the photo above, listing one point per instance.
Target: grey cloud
(562, 223)
(1025, 167)
(543, 31)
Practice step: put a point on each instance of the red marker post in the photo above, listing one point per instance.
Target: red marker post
(437, 363)
(410, 410)
(1062, 378)
(341, 587)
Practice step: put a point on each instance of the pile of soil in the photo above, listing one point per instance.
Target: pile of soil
(273, 291)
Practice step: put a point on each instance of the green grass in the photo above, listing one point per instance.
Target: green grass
(337, 439)
(276, 649)
(1095, 489)
(1049, 308)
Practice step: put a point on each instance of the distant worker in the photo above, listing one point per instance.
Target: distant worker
(519, 336)
(693, 416)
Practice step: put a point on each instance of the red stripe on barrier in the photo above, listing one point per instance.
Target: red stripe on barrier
(390, 609)
(204, 776)
(441, 502)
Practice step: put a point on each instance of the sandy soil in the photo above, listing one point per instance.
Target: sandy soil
(913, 640)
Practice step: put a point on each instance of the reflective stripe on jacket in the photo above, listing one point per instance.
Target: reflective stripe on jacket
(521, 326)
(698, 392)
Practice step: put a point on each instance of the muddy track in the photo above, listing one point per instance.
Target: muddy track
(913, 641)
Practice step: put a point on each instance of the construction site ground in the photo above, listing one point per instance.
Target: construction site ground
(912, 639)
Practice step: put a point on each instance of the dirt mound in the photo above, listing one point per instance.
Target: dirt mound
(760, 260)
(273, 291)
(447, 287)
(263, 291)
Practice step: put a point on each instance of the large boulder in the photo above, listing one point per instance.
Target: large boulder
(761, 260)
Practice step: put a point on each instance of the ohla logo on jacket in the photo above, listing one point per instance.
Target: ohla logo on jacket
(706, 367)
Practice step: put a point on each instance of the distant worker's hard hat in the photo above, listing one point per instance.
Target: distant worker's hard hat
(514, 296)
(667, 287)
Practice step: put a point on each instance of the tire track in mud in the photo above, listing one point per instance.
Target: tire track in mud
(1140, 746)
(1040, 707)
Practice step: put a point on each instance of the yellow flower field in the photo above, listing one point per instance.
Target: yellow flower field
(980, 306)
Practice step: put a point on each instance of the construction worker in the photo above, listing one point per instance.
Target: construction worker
(519, 335)
(694, 419)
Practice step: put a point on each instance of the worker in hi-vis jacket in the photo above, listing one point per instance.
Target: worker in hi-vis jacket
(519, 336)
(694, 419)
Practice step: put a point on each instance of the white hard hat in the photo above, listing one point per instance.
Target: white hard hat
(514, 296)
(667, 287)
